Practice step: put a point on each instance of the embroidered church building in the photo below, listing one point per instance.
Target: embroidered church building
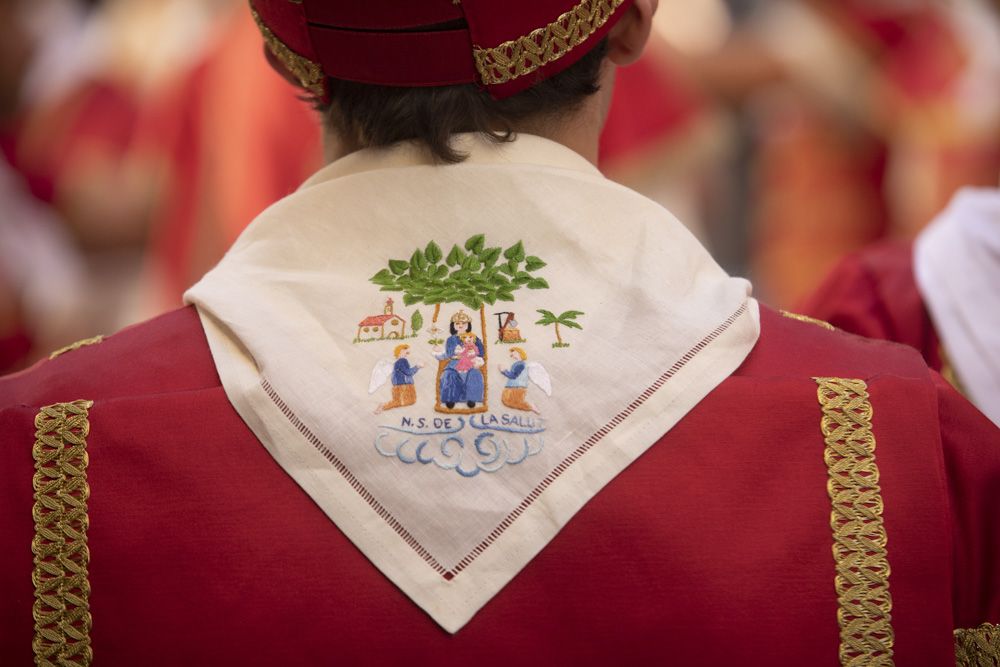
(388, 325)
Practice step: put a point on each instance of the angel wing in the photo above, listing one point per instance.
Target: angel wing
(540, 376)
(380, 374)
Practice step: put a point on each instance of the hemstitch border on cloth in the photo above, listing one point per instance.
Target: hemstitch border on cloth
(596, 437)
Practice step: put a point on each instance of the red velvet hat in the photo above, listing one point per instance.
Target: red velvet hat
(503, 45)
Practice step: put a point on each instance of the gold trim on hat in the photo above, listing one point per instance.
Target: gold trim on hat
(524, 55)
(309, 73)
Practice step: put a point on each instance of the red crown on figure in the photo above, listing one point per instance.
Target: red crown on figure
(503, 45)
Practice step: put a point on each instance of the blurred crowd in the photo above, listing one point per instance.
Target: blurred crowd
(139, 137)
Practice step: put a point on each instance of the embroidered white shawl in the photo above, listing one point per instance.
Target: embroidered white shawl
(598, 323)
(957, 265)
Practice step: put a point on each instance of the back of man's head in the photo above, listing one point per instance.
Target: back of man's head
(382, 72)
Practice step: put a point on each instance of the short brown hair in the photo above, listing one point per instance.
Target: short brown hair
(371, 116)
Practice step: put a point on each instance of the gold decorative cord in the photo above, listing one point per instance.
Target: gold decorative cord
(978, 647)
(859, 538)
(76, 346)
(62, 590)
(524, 55)
(806, 318)
(309, 73)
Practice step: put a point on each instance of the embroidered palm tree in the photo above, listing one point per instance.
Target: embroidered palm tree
(567, 319)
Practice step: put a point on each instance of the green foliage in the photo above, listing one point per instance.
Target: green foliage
(383, 277)
(433, 253)
(416, 322)
(474, 276)
(566, 319)
(455, 257)
(533, 263)
(490, 256)
(515, 252)
(475, 244)
(417, 261)
(548, 317)
(383, 340)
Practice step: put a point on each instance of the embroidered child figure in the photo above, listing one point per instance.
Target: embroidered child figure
(520, 372)
(468, 356)
(404, 393)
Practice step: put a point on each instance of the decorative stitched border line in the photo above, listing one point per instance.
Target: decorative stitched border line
(859, 537)
(597, 436)
(351, 479)
(978, 647)
(62, 589)
(309, 73)
(538, 490)
(528, 53)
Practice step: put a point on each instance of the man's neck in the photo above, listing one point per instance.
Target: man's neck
(579, 130)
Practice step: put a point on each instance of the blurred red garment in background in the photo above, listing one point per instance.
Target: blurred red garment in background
(243, 139)
(888, 114)
(874, 293)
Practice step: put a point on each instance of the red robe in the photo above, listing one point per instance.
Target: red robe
(873, 293)
(713, 548)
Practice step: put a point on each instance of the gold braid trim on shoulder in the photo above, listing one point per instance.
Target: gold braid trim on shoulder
(76, 346)
(62, 589)
(978, 647)
(524, 55)
(859, 537)
(309, 73)
(806, 318)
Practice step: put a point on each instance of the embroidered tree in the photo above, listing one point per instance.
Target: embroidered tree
(567, 319)
(474, 275)
(416, 322)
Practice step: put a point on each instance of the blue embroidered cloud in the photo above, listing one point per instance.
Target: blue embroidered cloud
(466, 450)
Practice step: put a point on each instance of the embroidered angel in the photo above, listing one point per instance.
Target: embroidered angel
(399, 369)
(518, 375)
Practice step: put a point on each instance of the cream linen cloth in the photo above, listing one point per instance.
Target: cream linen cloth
(597, 322)
(957, 265)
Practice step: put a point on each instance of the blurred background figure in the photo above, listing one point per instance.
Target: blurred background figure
(225, 167)
(784, 133)
(939, 294)
(113, 129)
(865, 117)
(664, 136)
(41, 286)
